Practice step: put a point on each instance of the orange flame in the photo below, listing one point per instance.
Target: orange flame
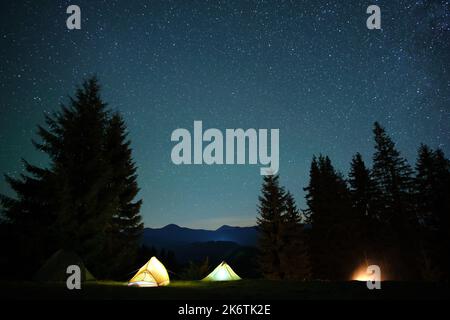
(361, 275)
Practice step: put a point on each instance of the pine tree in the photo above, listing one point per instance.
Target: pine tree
(442, 191)
(71, 209)
(432, 194)
(442, 209)
(83, 199)
(77, 142)
(126, 226)
(292, 214)
(393, 180)
(27, 220)
(361, 187)
(369, 237)
(331, 218)
(271, 209)
(196, 270)
(425, 184)
(294, 255)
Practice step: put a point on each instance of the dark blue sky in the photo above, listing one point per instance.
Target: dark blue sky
(312, 69)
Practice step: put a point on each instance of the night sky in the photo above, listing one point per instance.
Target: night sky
(312, 70)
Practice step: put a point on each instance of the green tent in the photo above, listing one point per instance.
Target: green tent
(55, 269)
(222, 272)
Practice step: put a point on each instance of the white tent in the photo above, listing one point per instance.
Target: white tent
(222, 272)
(151, 274)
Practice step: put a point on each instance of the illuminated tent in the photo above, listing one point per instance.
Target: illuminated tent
(151, 274)
(55, 268)
(222, 272)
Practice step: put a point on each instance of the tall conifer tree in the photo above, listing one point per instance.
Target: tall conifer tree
(332, 220)
(83, 200)
(271, 209)
(294, 255)
(126, 225)
(368, 234)
(393, 180)
(432, 195)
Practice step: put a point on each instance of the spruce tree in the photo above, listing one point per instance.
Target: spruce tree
(331, 217)
(83, 199)
(425, 186)
(432, 194)
(361, 187)
(442, 209)
(294, 255)
(74, 178)
(126, 226)
(292, 214)
(369, 237)
(87, 205)
(393, 180)
(27, 221)
(271, 209)
(442, 191)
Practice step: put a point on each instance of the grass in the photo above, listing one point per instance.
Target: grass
(234, 290)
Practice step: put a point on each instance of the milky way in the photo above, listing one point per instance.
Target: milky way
(312, 70)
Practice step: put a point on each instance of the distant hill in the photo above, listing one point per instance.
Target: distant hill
(216, 251)
(236, 245)
(175, 236)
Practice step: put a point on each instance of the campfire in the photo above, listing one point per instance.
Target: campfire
(365, 274)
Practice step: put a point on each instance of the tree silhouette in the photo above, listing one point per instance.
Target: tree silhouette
(332, 220)
(393, 178)
(432, 199)
(369, 235)
(271, 209)
(83, 199)
(126, 226)
(394, 183)
(294, 255)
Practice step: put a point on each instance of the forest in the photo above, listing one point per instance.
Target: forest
(389, 213)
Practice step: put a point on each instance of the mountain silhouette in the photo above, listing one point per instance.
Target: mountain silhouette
(236, 245)
(174, 235)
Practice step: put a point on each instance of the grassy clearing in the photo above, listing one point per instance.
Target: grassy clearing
(239, 290)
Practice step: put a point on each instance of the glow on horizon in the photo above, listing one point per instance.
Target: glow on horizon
(212, 223)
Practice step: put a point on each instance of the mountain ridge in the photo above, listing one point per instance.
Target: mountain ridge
(175, 235)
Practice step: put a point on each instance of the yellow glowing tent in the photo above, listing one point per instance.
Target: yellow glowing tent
(152, 274)
(222, 272)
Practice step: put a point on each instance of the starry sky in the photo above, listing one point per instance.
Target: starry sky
(310, 68)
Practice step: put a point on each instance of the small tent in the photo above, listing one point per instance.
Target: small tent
(151, 274)
(222, 272)
(55, 269)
